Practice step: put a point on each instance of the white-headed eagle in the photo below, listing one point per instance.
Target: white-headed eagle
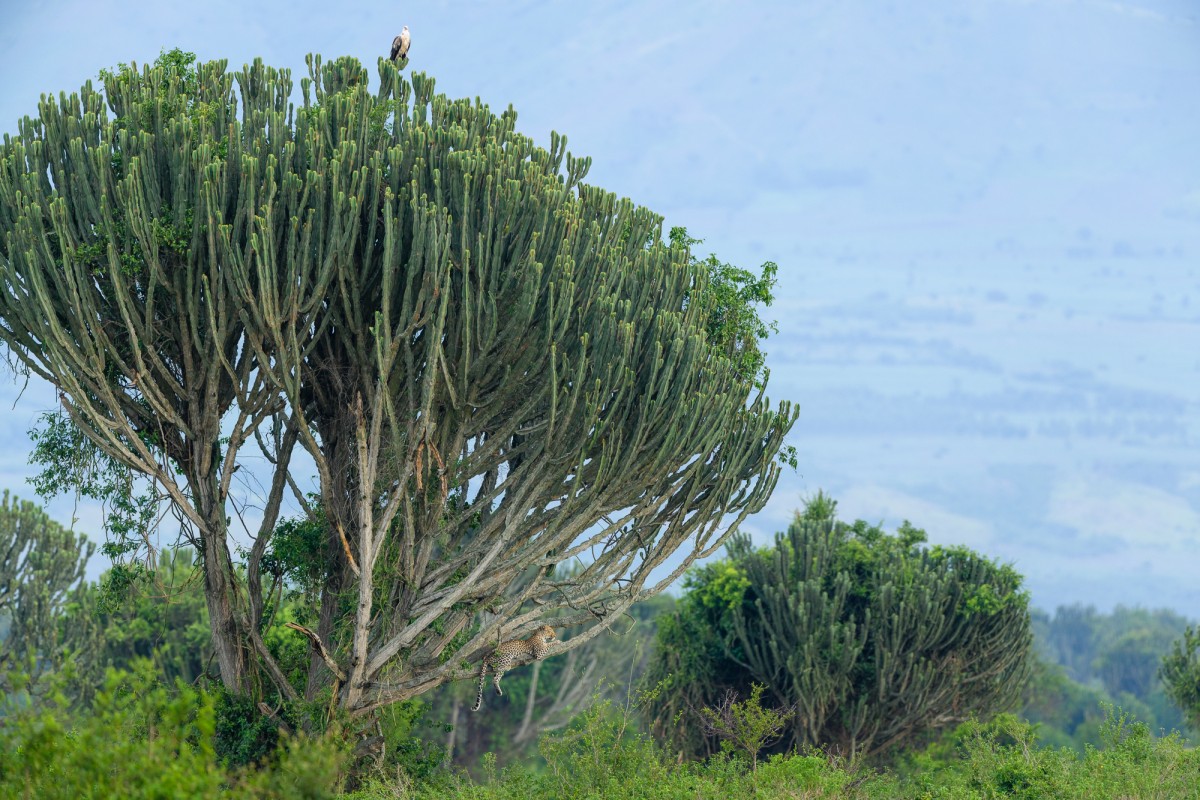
(400, 45)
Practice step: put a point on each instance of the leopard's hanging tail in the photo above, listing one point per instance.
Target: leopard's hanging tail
(482, 680)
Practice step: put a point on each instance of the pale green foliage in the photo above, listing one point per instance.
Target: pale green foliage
(602, 749)
(72, 465)
(744, 724)
(1004, 759)
(141, 739)
(730, 299)
(998, 760)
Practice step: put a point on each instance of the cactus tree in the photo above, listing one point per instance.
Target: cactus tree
(495, 368)
(874, 639)
(41, 565)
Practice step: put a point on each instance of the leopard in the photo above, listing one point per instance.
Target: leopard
(535, 647)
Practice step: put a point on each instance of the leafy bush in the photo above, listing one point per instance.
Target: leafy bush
(144, 739)
(242, 734)
(1003, 759)
(745, 724)
(1066, 712)
(602, 756)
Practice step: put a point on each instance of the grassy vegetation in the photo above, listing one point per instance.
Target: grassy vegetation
(997, 760)
(142, 739)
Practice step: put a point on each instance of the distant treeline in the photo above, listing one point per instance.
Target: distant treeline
(1087, 658)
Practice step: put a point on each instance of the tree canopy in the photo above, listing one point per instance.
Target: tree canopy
(497, 371)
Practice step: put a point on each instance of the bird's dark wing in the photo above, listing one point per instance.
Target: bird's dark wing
(396, 43)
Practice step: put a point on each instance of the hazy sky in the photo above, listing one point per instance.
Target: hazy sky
(986, 216)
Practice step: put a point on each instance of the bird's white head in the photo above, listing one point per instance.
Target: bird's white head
(406, 29)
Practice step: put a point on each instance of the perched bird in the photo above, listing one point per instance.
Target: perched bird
(400, 45)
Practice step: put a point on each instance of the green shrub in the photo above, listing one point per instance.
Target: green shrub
(142, 739)
(1003, 759)
(744, 724)
(242, 734)
(601, 749)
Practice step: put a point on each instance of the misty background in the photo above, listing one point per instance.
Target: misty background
(986, 215)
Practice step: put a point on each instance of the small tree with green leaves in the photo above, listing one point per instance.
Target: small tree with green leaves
(744, 724)
(875, 639)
